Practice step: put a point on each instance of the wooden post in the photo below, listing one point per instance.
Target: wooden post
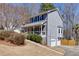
(33, 29)
(27, 29)
(41, 30)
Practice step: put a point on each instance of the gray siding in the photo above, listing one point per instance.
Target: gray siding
(53, 21)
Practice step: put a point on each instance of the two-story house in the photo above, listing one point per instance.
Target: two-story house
(48, 24)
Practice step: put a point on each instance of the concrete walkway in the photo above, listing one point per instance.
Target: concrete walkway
(71, 50)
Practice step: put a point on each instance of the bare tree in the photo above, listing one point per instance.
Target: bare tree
(12, 17)
(69, 18)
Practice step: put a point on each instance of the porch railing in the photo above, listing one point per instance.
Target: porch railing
(38, 32)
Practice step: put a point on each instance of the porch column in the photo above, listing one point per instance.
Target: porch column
(41, 30)
(33, 29)
(27, 30)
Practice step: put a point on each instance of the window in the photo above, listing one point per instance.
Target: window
(59, 30)
(36, 19)
(40, 17)
(59, 33)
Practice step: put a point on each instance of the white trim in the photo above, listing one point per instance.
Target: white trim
(35, 23)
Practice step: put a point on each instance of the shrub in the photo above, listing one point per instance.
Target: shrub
(4, 34)
(38, 39)
(34, 37)
(25, 35)
(17, 39)
(29, 36)
(1, 37)
(13, 37)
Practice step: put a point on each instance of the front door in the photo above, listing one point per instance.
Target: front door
(59, 32)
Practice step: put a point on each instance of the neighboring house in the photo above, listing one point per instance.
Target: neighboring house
(48, 24)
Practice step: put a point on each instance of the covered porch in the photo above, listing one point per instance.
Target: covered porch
(36, 28)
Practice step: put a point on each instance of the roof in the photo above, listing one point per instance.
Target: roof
(35, 23)
(44, 13)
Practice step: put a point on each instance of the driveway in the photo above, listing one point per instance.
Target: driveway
(71, 50)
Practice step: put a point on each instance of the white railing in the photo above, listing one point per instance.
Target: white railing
(38, 32)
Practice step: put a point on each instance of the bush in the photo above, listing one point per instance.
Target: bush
(34, 37)
(25, 35)
(12, 37)
(17, 39)
(4, 34)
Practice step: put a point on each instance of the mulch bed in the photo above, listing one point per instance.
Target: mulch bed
(6, 43)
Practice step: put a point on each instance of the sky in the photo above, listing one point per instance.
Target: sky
(36, 6)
